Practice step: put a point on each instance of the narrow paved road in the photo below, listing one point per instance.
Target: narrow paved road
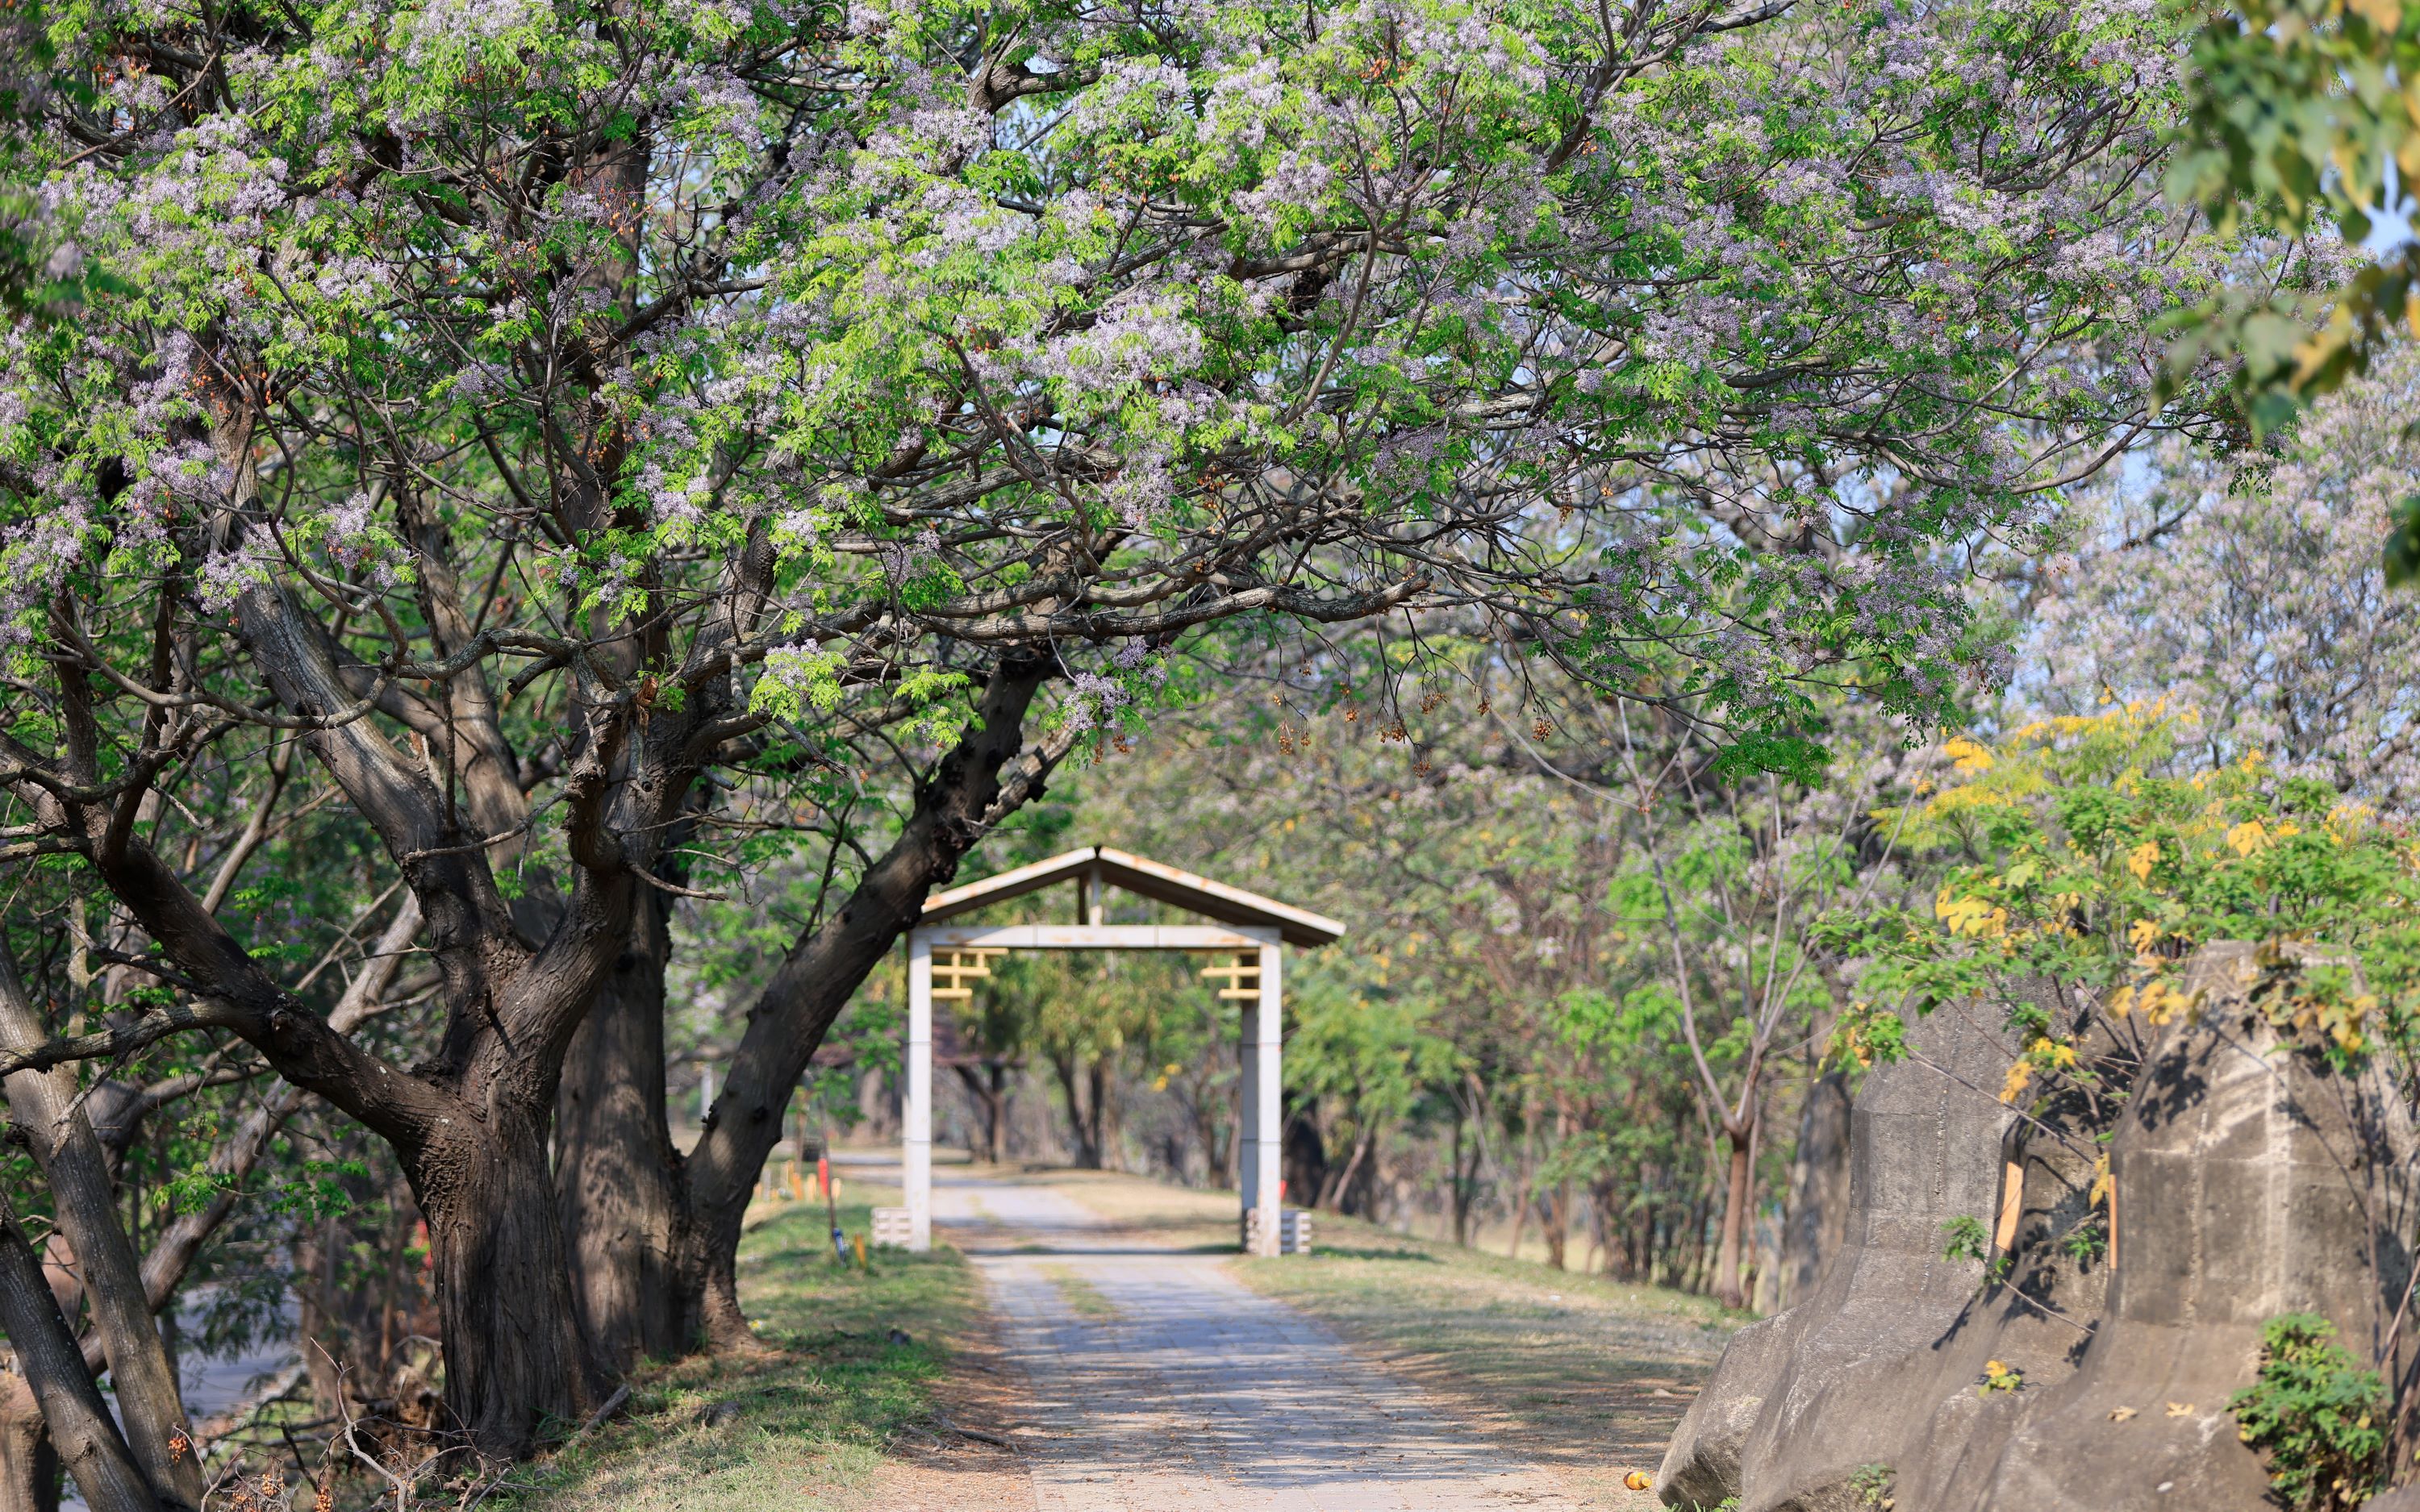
(1160, 1384)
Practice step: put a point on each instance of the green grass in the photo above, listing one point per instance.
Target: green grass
(802, 1429)
(1082, 1297)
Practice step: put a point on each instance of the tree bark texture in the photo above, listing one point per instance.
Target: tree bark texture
(85, 1434)
(510, 1328)
(29, 1467)
(973, 786)
(42, 1105)
(1735, 1216)
(616, 1174)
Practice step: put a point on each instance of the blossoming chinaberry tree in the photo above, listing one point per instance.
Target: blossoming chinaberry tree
(550, 418)
(2244, 591)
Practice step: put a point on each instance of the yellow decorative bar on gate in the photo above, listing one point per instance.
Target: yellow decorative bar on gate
(1242, 977)
(954, 971)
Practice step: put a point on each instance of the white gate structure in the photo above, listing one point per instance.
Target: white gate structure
(1244, 941)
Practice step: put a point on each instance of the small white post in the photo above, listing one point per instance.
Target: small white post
(1269, 1086)
(916, 1142)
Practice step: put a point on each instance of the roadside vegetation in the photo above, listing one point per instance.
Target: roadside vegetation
(852, 1363)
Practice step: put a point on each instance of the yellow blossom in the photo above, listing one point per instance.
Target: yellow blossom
(2143, 858)
(2161, 1002)
(2140, 935)
(2247, 837)
(2019, 1074)
(2345, 821)
(1969, 756)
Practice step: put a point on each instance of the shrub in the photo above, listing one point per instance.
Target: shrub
(2318, 1416)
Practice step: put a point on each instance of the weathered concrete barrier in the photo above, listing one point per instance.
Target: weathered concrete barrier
(2250, 1179)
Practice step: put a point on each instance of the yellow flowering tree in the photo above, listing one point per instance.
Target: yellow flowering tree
(2088, 855)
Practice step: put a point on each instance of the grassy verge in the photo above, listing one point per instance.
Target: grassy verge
(804, 1428)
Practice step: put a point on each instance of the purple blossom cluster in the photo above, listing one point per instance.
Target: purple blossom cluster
(2243, 595)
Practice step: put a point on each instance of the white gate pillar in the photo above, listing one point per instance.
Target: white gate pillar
(1248, 1118)
(1264, 1111)
(916, 1138)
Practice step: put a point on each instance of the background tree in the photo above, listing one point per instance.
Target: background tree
(2243, 589)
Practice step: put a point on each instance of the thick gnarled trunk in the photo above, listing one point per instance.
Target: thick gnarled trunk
(514, 1355)
(617, 1175)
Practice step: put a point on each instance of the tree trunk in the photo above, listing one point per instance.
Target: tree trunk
(1081, 1128)
(42, 1105)
(1340, 1186)
(1559, 1200)
(1456, 1195)
(1819, 1187)
(1699, 1216)
(987, 1100)
(995, 1110)
(514, 1355)
(1520, 1201)
(617, 1176)
(1098, 1080)
(973, 788)
(1727, 1262)
(29, 1467)
(1217, 1164)
(80, 1426)
(325, 1349)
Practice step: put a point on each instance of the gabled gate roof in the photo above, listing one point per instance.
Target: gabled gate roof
(1144, 878)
